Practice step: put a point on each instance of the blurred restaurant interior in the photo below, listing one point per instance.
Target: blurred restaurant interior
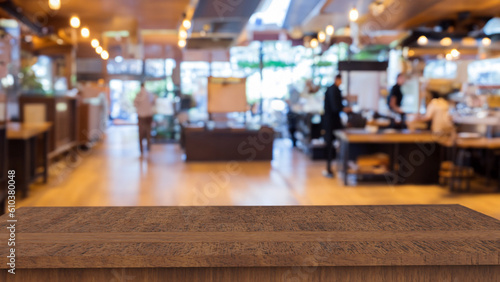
(224, 74)
(270, 103)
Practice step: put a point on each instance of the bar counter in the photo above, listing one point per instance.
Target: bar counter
(288, 243)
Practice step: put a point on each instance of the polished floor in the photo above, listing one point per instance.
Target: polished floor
(114, 174)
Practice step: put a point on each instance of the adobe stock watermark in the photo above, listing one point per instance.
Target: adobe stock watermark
(222, 7)
(219, 181)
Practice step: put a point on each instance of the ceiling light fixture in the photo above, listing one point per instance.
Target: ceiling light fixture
(85, 32)
(314, 43)
(321, 36)
(329, 30)
(455, 53)
(104, 55)
(446, 41)
(469, 41)
(422, 40)
(353, 14)
(486, 41)
(449, 57)
(98, 50)
(94, 43)
(182, 43)
(55, 4)
(183, 34)
(74, 22)
(186, 24)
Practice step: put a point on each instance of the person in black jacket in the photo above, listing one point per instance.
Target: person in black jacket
(395, 99)
(333, 107)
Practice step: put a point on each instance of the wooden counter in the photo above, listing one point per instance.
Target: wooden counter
(415, 155)
(22, 131)
(363, 136)
(313, 243)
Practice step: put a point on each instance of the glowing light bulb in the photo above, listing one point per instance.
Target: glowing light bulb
(330, 30)
(182, 43)
(353, 14)
(321, 36)
(74, 22)
(55, 4)
(85, 32)
(94, 43)
(314, 43)
(455, 53)
(183, 34)
(422, 40)
(186, 24)
(486, 41)
(98, 50)
(104, 55)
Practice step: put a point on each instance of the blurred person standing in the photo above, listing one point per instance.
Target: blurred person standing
(333, 108)
(395, 99)
(144, 103)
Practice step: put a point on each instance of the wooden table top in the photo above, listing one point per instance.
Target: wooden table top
(132, 237)
(479, 143)
(22, 131)
(401, 136)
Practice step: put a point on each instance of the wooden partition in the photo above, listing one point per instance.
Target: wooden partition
(60, 111)
(247, 244)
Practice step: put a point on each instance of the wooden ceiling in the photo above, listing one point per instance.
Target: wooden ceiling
(100, 15)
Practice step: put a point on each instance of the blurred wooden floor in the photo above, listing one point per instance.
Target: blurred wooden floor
(113, 174)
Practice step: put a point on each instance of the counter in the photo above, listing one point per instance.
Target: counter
(308, 243)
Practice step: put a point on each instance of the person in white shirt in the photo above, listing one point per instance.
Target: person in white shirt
(438, 113)
(144, 103)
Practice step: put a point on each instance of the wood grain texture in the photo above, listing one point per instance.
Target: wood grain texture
(243, 274)
(362, 136)
(288, 236)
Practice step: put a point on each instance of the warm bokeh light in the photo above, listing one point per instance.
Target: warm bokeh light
(74, 22)
(321, 36)
(449, 57)
(55, 4)
(85, 32)
(94, 43)
(183, 34)
(314, 43)
(330, 30)
(422, 40)
(446, 41)
(186, 24)
(182, 43)
(353, 15)
(469, 41)
(486, 41)
(411, 53)
(98, 50)
(104, 55)
(455, 53)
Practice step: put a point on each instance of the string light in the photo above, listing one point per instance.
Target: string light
(85, 32)
(94, 43)
(74, 22)
(455, 53)
(183, 34)
(186, 24)
(104, 55)
(182, 43)
(98, 50)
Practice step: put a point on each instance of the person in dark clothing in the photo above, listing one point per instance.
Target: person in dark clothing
(395, 99)
(333, 107)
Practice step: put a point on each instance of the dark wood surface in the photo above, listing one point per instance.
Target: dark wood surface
(363, 136)
(288, 236)
(237, 144)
